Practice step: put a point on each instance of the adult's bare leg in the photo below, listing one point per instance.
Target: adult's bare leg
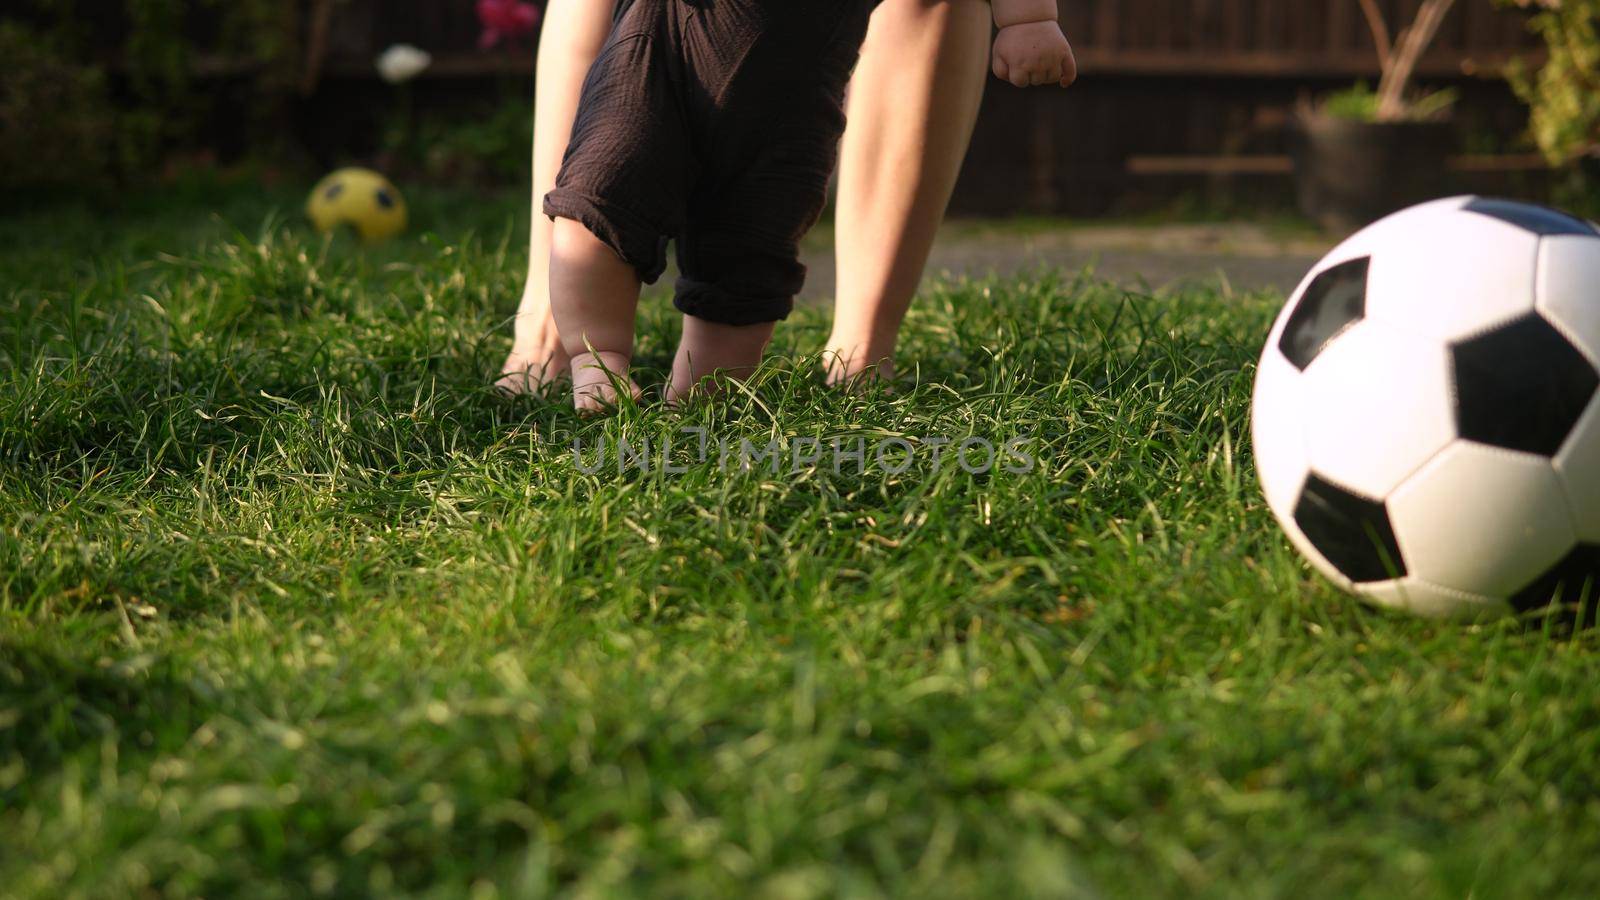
(913, 104)
(573, 33)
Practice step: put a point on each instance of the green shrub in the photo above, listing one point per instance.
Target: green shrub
(1563, 96)
(56, 122)
(107, 89)
(1564, 93)
(490, 147)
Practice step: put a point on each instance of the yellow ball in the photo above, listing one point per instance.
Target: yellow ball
(361, 199)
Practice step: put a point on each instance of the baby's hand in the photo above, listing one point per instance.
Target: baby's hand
(1034, 53)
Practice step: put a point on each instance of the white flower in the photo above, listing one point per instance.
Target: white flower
(403, 62)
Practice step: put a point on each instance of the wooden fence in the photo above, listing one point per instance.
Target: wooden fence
(1275, 38)
(1204, 38)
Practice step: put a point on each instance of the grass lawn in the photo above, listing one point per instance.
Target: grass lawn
(291, 603)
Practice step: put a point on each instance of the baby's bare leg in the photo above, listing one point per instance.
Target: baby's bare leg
(594, 296)
(707, 348)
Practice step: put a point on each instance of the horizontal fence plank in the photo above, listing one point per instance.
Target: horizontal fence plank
(1284, 64)
(1279, 164)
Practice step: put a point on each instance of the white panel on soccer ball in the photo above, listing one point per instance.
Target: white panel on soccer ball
(1278, 432)
(1378, 406)
(1381, 235)
(1482, 520)
(1579, 467)
(1422, 598)
(1569, 289)
(1452, 274)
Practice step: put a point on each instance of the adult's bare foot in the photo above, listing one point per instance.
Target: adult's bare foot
(528, 373)
(537, 357)
(851, 363)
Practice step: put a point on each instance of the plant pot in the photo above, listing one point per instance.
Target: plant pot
(1350, 173)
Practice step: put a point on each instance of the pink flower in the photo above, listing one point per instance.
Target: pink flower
(505, 20)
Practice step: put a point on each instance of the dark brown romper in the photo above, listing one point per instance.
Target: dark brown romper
(715, 123)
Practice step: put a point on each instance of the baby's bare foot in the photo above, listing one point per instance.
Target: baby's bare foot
(596, 377)
(709, 348)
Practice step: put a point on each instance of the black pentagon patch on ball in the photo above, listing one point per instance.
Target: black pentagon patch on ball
(1521, 387)
(385, 200)
(1334, 301)
(1573, 581)
(1351, 531)
(1540, 220)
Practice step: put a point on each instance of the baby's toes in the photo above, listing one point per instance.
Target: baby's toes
(594, 399)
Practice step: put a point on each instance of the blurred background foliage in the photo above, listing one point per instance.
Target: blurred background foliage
(106, 92)
(100, 93)
(1563, 96)
(97, 90)
(1564, 91)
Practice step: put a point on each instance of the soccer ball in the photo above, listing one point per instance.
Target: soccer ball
(1427, 410)
(361, 199)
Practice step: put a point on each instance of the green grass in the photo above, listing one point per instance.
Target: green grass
(291, 603)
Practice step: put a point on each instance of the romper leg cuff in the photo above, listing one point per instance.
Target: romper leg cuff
(640, 245)
(724, 307)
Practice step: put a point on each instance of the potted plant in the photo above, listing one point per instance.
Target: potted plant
(1361, 154)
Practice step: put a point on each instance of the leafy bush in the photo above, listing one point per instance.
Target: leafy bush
(1563, 96)
(492, 146)
(1564, 93)
(97, 89)
(56, 122)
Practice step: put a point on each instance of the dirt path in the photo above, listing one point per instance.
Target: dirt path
(1244, 257)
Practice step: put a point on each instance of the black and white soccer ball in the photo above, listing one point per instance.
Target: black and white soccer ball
(1427, 410)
